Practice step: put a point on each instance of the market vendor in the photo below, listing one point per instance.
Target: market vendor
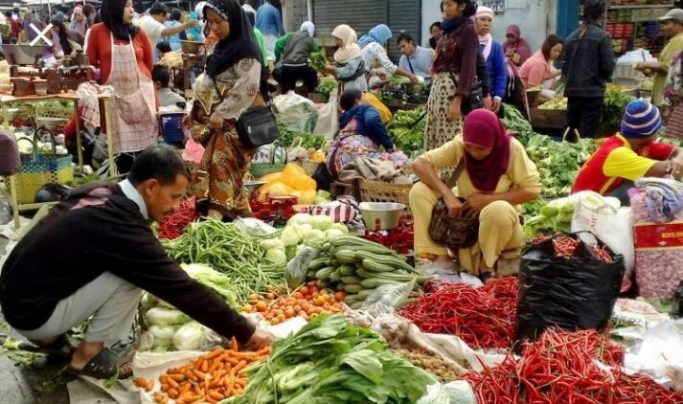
(375, 58)
(629, 155)
(292, 52)
(348, 67)
(415, 59)
(497, 175)
(362, 133)
(48, 287)
(672, 26)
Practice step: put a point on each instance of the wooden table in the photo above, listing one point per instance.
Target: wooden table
(7, 100)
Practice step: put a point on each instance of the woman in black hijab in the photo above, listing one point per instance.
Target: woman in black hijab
(232, 83)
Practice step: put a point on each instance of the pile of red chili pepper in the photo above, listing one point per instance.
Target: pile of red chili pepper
(565, 247)
(399, 239)
(562, 367)
(173, 226)
(483, 317)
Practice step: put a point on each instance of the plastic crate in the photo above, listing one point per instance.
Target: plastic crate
(171, 127)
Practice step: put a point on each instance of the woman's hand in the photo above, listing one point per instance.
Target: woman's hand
(495, 104)
(478, 202)
(454, 205)
(216, 121)
(454, 112)
(329, 69)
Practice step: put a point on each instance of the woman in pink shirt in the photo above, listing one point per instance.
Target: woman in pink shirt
(538, 68)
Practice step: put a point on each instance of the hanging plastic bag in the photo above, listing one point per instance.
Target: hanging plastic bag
(296, 113)
(572, 293)
(328, 117)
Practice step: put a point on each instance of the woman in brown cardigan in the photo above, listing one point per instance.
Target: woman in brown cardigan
(454, 72)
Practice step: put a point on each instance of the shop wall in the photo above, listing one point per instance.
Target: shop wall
(536, 18)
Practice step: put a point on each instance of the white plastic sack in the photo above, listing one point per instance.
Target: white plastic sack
(611, 225)
(659, 355)
(296, 113)
(328, 118)
(455, 392)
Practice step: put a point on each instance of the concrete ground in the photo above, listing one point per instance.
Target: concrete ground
(28, 378)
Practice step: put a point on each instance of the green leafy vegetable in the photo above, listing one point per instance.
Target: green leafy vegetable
(332, 361)
(407, 131)
(317, 61)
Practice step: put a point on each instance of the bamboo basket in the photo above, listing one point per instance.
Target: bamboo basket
(379, 191)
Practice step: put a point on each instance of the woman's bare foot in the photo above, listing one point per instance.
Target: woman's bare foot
(214, 214)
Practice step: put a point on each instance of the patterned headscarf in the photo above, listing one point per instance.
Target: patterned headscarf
(240, 43)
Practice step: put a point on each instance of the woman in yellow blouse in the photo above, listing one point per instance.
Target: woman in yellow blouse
(497, 176)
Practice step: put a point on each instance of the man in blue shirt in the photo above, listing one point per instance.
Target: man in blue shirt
(416, 59)
(269, 22)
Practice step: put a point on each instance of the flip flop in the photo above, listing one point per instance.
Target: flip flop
(104, 365)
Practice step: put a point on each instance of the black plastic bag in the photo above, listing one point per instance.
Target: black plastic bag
(569, 293)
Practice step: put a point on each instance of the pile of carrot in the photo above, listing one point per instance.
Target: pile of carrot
(210, 378)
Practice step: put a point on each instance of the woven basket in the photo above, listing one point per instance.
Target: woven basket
(379, 191)
(39, 169)
(258, 170)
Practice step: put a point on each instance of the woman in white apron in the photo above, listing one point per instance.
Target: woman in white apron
(124, 55)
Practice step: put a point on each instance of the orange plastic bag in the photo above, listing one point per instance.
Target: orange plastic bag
(295, 177)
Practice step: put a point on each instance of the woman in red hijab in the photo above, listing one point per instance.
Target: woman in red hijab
(516, 48)
(496, 177)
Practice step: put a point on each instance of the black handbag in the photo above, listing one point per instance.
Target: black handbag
(476, 98)
(454, 232)
(257, 127)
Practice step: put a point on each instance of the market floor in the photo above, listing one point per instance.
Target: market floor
(20, 384)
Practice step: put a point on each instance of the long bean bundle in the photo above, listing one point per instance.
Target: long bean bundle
(229, 250)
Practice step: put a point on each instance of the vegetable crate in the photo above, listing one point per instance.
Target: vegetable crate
(171, 127)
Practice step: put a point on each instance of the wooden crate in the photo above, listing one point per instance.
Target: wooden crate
(548, 118)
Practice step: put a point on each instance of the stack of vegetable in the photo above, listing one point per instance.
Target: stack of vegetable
(332, 361)
(304, 229)
(358, 267)
(173, 226)
(170, 328)
(560, 104)
(483, 317)
(554, 216)
(317, 61)
(435, 365)
(229, 250)
(307, 302)
(326, 86)
(563, 367)
(407, 129)
(558, 162)
(614, 105)
(514, 121)
(210, 378)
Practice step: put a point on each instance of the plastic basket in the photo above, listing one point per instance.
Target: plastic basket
(378, 191)
(39, 169)
(171, 126)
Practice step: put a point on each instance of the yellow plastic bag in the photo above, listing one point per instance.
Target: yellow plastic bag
(295, 177)
(384, 112)
(274, 188)
(272, 177)
(305, 197)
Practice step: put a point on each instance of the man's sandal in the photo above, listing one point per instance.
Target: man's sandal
(104, 365)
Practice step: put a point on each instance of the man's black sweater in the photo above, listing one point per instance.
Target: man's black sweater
(96, 230)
